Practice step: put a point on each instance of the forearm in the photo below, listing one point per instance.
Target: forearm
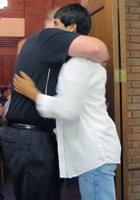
(56, 107)
(89, 47)
(32, 93)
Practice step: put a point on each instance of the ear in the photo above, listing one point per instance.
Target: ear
(72, 28)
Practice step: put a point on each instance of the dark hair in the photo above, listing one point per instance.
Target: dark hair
(75, 14)
(3, 90)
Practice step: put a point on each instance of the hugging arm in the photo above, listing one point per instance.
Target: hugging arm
(90, 48)
(71, 88)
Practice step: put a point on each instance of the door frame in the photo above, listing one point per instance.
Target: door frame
(115, 13)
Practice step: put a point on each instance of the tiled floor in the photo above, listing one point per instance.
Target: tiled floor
(69, 192)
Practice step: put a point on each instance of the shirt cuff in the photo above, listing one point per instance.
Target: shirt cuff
(39, 98)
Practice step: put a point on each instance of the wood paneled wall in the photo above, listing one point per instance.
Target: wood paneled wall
(34, 13)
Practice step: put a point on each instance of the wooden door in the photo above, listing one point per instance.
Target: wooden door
(123, 96)
(107, 26)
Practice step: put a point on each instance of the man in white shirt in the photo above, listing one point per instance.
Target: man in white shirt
(88, 144)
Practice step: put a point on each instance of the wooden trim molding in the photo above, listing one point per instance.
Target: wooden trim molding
(9, 41)
(12, 27)
(92, 7)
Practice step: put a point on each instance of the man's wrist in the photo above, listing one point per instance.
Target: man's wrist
(34, 93)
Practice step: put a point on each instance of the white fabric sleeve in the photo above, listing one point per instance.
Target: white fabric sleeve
(70, 92)
(6, 107)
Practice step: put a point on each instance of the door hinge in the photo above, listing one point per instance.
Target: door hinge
(120, 75)
(87, 1)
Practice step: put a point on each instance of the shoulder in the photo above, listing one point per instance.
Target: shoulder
(60, 35)
(84, 67)
(33, 35)
(75, 69)
(54, 31)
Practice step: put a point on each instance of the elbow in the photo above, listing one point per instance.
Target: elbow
(105, 54)
(101, 52)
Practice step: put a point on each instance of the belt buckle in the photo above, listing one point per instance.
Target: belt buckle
(29, 126)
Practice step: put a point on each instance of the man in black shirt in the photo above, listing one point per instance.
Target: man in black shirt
(28, 140)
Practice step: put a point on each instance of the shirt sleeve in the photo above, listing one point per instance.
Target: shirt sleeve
(6, 107)
(70, 92)
(54, 45)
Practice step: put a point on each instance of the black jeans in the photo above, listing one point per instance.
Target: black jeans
(32, 158)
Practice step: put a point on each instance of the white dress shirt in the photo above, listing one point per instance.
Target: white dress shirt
(86, 135)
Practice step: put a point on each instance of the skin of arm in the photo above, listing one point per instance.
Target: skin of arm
(89, 47)
(84, 46)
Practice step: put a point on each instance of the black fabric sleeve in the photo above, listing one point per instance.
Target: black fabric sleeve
(54, 45)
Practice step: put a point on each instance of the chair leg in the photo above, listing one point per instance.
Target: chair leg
(2, 172)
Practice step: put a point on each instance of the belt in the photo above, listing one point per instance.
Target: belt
(27, 126)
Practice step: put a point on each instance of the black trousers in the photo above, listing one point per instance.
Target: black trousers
(32, 158)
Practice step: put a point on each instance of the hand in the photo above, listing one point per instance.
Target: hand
(22, 84)
(25, 86)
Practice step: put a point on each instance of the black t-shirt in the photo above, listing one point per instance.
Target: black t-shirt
(41, 58)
